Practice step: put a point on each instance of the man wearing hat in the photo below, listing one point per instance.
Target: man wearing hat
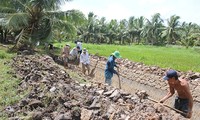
(109, 71)
(184, 100)
(65, 54)
(85, 60)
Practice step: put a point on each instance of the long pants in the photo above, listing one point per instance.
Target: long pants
(84, 66)
(108, 81)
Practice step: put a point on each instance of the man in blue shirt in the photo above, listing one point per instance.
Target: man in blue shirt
(110, 67)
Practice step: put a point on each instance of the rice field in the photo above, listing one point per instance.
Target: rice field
(175, 57)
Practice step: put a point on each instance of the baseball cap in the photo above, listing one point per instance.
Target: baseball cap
(170, 74)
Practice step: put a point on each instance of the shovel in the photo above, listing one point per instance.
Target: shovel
(119, 79)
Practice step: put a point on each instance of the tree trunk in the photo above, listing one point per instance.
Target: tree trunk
(1, 37)
(5, 36)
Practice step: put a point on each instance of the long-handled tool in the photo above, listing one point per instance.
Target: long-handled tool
(119, 78)
(92, 71)
(178, 111)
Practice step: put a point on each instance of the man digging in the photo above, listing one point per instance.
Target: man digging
(65, 54)
(109, 71)
(184, 100)
(85, 60)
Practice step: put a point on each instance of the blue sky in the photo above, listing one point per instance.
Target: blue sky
(188, 10)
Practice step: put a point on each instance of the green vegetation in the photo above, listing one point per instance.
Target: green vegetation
(175, 57)
(18, 24)
(8, 83)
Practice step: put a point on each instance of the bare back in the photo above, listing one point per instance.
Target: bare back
(182, 88)
(65, 51)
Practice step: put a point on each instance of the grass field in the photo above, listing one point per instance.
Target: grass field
(175, 57)
(8, 83)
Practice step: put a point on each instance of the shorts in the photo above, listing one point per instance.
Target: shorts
(181, 104)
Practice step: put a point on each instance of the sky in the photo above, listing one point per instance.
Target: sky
(188, 10)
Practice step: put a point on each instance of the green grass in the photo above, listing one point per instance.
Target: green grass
(175, 57)
(8, 83)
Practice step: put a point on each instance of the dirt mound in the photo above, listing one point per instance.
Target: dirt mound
(53, 95)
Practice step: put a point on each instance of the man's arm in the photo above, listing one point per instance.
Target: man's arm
(189, 95)
(169, 94)
(111, 68)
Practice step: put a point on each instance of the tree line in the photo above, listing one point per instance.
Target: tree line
(26, 23)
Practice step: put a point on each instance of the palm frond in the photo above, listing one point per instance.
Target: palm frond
(17, 21)
(22, 39)
(7, 10)
(67, 26)
(76, 17)
(43, 32)
(49, 4)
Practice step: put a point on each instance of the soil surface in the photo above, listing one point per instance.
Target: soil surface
(138, 76)
(53, 94)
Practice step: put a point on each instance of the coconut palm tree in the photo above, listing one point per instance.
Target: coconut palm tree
(123, 34)
(87, 31)
(35, 19)
(172, 30)
(112, 33)
(152, 29)
(135, 27)
(189, 34)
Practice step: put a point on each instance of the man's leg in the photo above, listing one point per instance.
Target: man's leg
(83, 68)
(108, 81)
(88, 68)
(184, 106)
(177, 103)
(181, 104)
(64, 61)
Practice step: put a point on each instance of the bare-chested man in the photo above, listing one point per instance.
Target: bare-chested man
(184, 100)
(65, 54)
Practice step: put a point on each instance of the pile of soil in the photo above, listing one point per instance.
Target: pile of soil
(53, 95)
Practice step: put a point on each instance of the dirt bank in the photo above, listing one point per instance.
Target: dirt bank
(55, 95)
(137, 76)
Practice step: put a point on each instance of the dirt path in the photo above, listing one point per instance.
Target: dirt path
(146, 78)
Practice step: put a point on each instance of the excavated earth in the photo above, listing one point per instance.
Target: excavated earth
(138, 76)
(53, 94)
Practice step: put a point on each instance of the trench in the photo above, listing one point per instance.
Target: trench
(131, 86)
